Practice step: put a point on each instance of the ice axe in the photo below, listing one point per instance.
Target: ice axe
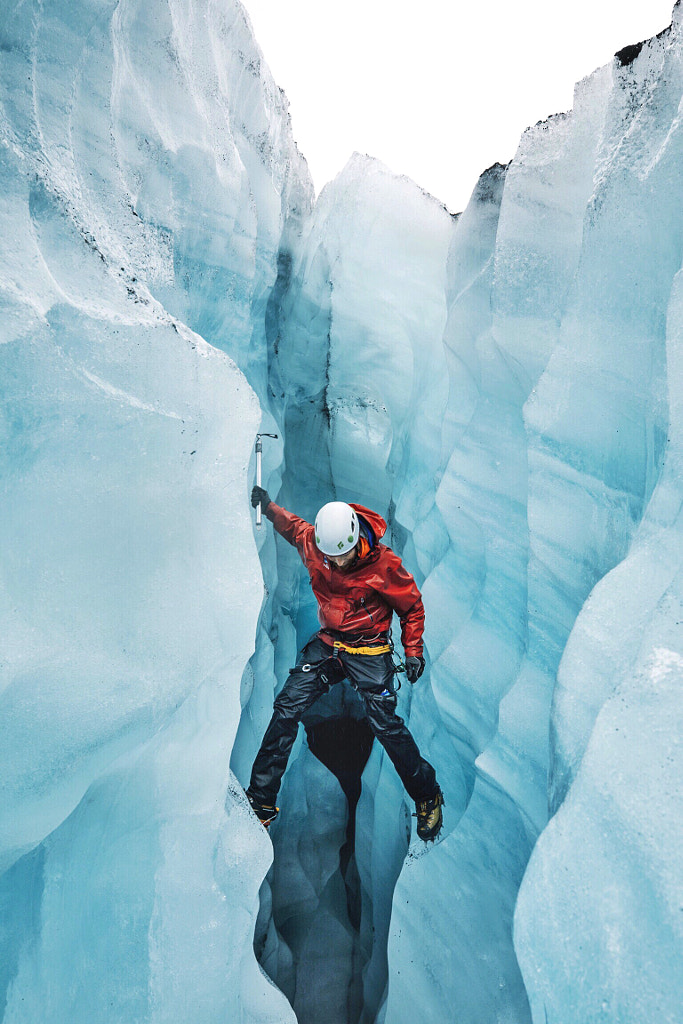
(259, 450)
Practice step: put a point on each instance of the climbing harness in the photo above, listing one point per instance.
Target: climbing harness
(384, 649)
(378, 648)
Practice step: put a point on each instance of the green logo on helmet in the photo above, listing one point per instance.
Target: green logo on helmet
(340, 545)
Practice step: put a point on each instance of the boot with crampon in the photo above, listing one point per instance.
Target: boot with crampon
(429, 816)
(266, 813)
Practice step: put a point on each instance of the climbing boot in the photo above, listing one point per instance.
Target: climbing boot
(266, 813)
(429, 816)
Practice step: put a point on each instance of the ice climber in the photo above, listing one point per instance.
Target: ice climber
(359, 583)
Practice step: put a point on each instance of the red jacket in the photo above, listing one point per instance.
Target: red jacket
(362, 599)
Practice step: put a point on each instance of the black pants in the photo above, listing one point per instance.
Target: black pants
(372, 676)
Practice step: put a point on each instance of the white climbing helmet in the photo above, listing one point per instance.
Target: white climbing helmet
(336, 528)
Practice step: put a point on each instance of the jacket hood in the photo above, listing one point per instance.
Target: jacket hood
(373, 519)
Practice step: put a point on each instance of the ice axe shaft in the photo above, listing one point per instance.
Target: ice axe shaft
(259, 452)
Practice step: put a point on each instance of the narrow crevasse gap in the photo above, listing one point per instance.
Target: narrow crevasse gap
(307, 937)
(348, 337)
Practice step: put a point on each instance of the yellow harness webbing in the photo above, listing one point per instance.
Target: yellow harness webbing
(384, 649)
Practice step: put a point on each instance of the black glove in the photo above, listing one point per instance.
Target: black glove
(414, 668)
(259, 496)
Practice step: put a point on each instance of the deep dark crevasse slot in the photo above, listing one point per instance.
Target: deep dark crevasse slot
(343, 745)
(337, 733)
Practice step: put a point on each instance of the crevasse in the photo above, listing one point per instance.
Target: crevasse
(503, 385)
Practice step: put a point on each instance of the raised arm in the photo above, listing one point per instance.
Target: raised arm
(289, 526)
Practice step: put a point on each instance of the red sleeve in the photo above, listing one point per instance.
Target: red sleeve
(401, 593)
(288, 525)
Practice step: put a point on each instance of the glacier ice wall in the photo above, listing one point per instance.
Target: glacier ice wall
(605, 875)
(504, 386)
(570, 339)
(149, 177)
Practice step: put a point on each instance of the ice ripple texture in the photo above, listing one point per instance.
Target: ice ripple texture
(504, 385)
(147, 171)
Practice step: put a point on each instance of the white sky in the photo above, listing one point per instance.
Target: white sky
(438, 90)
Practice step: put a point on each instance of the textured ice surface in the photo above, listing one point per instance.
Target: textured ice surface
(504, 386)
(598, 925)
(146, 165)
